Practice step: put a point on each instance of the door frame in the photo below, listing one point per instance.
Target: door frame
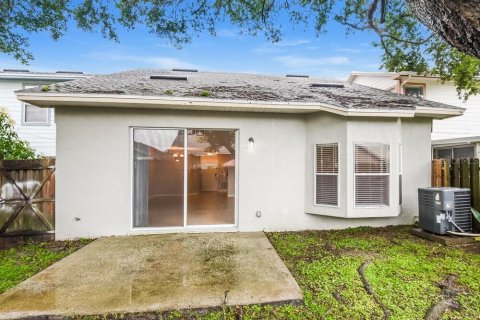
(186, 227)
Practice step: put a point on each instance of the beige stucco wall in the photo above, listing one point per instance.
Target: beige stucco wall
(94, 193)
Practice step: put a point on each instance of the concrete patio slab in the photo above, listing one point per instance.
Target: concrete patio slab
(156, 272)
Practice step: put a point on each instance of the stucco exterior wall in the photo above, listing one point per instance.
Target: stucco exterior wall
(94, 174)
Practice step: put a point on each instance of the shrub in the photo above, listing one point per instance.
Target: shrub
(12, 147)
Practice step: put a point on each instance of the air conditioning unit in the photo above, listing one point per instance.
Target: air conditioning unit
(444, 209)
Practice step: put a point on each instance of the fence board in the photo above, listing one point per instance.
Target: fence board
(464, 173)
(460, 173)
(436, 173)
(27, 197)
(455, 173)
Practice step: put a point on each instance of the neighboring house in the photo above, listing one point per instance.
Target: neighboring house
(457, 137)
(33, 124)
(151, 151)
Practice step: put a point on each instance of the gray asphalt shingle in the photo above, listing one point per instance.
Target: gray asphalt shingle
(238, 86)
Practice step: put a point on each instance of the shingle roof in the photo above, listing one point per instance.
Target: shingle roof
(243, 87)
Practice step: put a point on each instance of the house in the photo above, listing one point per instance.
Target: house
(150, 151)
(33, 124)
(457, 137)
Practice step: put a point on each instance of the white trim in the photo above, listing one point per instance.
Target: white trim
(315, 175)
(47, 123)
(209, 104)
(186, 227)
(185, 177)
(389, 174)
(41, 76)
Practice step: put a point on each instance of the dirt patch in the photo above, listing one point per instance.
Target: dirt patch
(448, 301)
(219, 257)
(368, 288)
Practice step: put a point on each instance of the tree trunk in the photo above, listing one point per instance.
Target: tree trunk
(456, 21)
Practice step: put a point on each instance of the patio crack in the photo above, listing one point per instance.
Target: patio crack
(369, 290)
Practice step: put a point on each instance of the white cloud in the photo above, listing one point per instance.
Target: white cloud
(227, 33)
(350, 50)
(265, 49)
(293, 61)
(281, 46)
(292, 43)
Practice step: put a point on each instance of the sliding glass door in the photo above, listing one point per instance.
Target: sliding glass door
(183, 177)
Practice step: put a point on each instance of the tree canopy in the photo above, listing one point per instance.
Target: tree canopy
(414, 35)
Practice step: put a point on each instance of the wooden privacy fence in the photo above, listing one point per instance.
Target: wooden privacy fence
(27, 197)
(461, 173)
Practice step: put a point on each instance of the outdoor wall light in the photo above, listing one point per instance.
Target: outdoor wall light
(251, 142)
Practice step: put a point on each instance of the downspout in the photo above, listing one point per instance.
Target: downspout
(403, 83)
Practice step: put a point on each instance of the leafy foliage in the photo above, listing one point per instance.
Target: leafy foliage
(407, 45)
(11, 146)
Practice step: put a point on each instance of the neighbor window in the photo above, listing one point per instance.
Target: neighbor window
(414, 91)
(461, 152)
(326, 174)
(372, 174)
(33, 115)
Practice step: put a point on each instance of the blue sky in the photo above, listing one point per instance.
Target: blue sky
(332, 55)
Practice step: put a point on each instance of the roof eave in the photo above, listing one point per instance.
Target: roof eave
(209, 104)
(438, 113)
(41, 77)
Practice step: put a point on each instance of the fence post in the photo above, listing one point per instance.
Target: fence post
(464, 174)
(455, 173)
(436, 173)
(446, 173)
(475, 188)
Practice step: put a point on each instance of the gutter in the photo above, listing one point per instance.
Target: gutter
(209, 104)
(40, 77)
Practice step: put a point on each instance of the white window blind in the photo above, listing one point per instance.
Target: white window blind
(372, 174)
(326, 174)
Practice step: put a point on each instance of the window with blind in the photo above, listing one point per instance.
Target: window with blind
(372, 174)
(326, 174)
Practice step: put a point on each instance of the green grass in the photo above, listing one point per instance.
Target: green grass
(403, 273)
(21, 262)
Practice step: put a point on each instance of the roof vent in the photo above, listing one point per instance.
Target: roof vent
(16, 70)
(70, 72)
(166, 77)
(297, 76)
(185, 70)
(327, 85)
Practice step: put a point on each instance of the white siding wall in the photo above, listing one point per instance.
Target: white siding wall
(467, 125)
(384, 82)
(42, 138)
(94, 181)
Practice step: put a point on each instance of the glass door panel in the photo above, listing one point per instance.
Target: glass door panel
(158, 177)
(211, 177)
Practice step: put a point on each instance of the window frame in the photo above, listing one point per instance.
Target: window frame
(389, 175)
(415, 85)
(452, 151)
(325, 174)
(25, 123)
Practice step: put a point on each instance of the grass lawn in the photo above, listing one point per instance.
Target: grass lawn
(20, 262)
(406, 276)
